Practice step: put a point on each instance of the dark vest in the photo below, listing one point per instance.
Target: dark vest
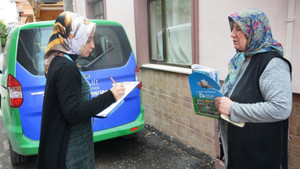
(256, 145)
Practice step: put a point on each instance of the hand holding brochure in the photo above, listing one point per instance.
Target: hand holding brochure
(129, 86)
(204, 89)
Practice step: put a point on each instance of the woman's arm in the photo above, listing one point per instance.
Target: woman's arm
(276, 88)
(68, 88)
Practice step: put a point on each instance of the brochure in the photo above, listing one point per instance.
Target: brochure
(129, 86)
(204, 86)
(214, 74)
(204, 90)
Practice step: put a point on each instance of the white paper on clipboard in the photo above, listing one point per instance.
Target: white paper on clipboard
(129, 86)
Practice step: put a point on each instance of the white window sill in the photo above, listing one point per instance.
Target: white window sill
(167, 68)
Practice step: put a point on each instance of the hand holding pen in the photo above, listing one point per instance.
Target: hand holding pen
(118, 89)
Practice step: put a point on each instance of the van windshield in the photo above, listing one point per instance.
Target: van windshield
(112, 49)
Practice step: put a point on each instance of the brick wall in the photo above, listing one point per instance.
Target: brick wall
(294, 142)
(168, 107)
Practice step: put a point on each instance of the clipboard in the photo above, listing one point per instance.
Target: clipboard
(129, 86)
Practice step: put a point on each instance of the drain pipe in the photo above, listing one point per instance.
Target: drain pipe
(290, 30)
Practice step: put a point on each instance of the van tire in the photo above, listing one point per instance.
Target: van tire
(16, 158)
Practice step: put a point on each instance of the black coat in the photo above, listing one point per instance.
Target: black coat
(62, 108)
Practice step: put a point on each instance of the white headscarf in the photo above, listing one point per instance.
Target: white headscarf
(69, 35)
(81, 30)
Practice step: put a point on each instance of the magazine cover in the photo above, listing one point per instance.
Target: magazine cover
(204, 89)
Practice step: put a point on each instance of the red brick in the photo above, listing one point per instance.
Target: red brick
(293, 130)
(296, 98)
(293, 120)
(294, 161)
(295, 140)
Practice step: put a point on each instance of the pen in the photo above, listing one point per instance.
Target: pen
(113, 80)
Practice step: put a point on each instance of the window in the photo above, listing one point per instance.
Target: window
(31, 49)
(170, 31)
(98, 10)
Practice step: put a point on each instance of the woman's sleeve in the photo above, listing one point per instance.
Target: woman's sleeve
(276, 88)
(68, 88)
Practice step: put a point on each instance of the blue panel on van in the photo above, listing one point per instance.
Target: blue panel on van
(33, 93)
(100, 82)
(33, 88)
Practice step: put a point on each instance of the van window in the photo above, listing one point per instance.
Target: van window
(31, 49)
(112, 49)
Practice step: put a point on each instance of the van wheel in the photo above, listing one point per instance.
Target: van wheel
(15, 158)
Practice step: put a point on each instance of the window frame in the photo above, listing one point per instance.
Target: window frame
(90, 9)
(194, 34)
(100, 14)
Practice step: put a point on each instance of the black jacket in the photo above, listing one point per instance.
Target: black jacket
(62, 108)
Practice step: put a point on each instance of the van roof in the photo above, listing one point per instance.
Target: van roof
(50, 23)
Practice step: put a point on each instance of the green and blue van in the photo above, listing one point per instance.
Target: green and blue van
(23, 82)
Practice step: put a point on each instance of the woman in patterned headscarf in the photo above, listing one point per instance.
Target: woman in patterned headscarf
(257, 92)
(66, 139)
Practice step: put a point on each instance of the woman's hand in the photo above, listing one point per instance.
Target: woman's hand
(223, 105)
(118, 90)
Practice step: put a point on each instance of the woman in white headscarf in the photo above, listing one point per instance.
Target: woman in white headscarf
(66, 139)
